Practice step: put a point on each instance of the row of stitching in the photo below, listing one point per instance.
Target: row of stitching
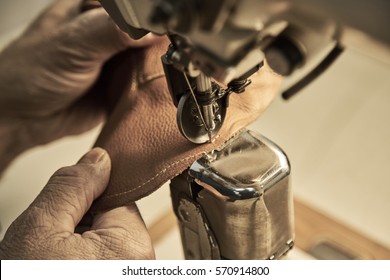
(155, 176)
(159, 173)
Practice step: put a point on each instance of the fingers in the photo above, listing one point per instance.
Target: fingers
(57, 13)
(145, 41)
(245, 108)
(45, 229)
(126, 217)
(261, 92)
(70, 192)
(129, 42)
(95, 33)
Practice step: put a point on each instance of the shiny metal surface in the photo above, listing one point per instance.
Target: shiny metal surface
(226, 39)
(219, 31)
(203, 83)
(243, 193)
(199, 241)
(204, 88)
(190, 122)
(244, 168)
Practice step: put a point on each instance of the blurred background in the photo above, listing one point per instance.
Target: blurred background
(336, 133)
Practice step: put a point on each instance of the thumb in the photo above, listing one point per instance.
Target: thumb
(70, 192)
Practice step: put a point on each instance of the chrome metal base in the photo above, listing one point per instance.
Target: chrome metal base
(236, 203)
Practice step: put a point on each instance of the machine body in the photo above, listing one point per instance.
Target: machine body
(236, 203)
(227, 41)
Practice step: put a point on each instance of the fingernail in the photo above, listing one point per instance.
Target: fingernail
(93, 156)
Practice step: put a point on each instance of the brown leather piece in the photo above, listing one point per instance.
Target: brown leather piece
(141, 134)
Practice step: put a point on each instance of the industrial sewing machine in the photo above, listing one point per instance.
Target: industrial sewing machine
(236, 203)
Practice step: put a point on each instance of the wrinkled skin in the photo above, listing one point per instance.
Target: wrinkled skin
(46, 230)
(48, 89)
(48, 76)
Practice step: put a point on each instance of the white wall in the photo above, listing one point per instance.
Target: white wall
(16, 14)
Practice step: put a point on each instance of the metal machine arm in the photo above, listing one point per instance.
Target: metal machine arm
(226, 209)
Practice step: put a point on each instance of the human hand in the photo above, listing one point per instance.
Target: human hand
(47, 76)
(46, 230)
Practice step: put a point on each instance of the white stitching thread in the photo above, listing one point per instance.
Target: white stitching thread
(157, 175)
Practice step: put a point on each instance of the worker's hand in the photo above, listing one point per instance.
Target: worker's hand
(47, 76)
(46, 230)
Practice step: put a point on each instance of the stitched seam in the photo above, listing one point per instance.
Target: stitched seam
(158, 174)
(155, 176)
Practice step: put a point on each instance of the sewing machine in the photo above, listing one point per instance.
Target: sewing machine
(226, 210)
